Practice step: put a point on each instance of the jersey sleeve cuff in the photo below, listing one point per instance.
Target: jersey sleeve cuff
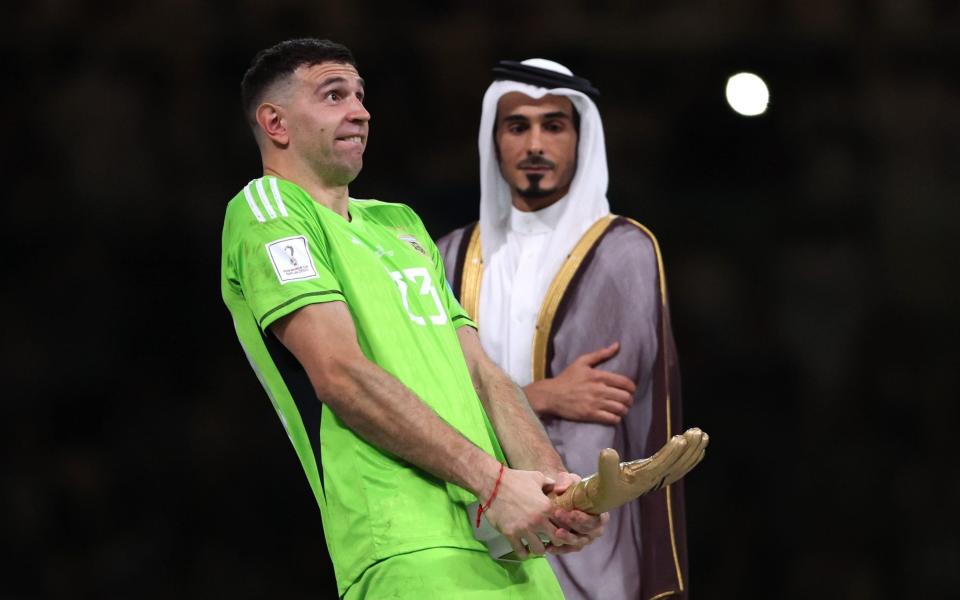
(288, 306)
(463, 321)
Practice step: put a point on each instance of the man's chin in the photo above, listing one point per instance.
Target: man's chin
(536, 192)
(344, 174)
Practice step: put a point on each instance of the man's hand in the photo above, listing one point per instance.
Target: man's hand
(521, 512)
(525, 515)
(585, 526)
(575, 528)
(582, 393)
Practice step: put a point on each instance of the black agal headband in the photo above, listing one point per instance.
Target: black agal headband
(516, 71)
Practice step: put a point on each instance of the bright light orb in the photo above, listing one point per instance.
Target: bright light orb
(747, 94)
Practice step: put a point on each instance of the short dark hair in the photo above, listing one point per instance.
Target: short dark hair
(281, 60)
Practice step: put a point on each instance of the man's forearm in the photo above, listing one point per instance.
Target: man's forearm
(520, 432)
(375, 405)
(387, 414)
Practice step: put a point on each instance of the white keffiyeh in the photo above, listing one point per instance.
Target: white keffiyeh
(522, 252)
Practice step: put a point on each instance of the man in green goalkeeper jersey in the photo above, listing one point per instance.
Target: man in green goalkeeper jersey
(399, 418)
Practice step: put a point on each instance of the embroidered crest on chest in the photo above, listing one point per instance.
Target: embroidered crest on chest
(413, 242)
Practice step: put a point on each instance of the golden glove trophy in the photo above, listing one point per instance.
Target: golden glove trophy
(615, 483)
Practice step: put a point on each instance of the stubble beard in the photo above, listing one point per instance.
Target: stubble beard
(338, 170)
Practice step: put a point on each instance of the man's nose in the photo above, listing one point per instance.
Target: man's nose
(358, 112)
(534, 141)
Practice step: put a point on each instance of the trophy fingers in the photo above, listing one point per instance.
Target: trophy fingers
(684, 466)
(673, 451)
(608, 467)
(695, 453)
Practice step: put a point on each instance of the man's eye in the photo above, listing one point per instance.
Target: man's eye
(335, 96)
(516, 128)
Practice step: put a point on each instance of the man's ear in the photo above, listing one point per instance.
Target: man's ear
(272, 123)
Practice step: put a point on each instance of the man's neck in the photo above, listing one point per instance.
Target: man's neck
(336, 198)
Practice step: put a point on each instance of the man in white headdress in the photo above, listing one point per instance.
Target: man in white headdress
(571, 303)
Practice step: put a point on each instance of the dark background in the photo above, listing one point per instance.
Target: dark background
(812, 256)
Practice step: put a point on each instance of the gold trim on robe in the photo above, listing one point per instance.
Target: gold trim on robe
(558, 287)
(472, 276)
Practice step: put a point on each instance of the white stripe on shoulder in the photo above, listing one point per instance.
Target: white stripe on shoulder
(252, 204)
(264, 199)
(277, 197)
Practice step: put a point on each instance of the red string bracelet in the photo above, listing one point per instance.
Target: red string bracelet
(493, 495)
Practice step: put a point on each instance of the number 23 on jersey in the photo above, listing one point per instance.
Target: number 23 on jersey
(421, 281)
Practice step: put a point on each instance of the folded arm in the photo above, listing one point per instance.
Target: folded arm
(582, 392)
